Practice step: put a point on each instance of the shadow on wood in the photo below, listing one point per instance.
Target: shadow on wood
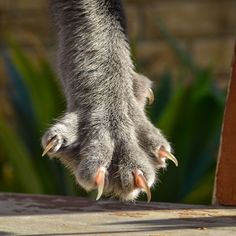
(44, 215)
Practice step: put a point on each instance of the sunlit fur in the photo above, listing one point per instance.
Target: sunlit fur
(105, 124)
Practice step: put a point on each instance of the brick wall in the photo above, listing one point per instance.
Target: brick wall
(206, 28)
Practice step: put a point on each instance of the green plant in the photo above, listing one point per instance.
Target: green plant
(191, 118)
(36, 99)
(190, 112)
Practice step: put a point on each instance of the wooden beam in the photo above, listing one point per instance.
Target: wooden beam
(225, 181)
(37, 215)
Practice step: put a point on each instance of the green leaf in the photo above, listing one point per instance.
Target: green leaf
(18, 155)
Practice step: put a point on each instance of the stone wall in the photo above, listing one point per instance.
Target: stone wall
(205, 28)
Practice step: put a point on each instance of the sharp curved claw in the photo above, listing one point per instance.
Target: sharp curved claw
(150, 96)
(51, 144)
(100, 182)
(141, 182)
(163, 153)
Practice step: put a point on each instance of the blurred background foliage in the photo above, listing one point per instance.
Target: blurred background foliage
(188, 108)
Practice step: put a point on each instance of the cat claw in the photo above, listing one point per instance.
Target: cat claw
(100, 181)
(52, 143)
(163, 153)
(150, 96)
(141, 182)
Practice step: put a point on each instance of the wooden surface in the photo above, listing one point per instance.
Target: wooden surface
(44, 215)
(225, 182)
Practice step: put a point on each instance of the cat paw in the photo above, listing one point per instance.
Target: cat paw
(142, 87)
(118, 157)
(62, 134)
(136, 161)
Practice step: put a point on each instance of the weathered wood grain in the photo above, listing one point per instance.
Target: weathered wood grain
(225, 181)
(55, 215)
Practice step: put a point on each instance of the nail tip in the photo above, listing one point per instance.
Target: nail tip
(150, 97)
(100, 182)
(99, 194)
(43, 154)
